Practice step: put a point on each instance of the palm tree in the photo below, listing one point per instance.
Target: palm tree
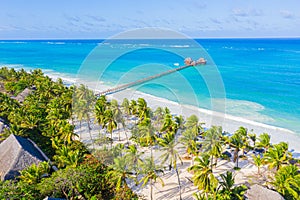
(277, 155)
(252, 136)
(150, 172)
(110, 122)
(201, 196)
(143, 109)
(126, 106)
(7, 105)
(169, 125)
(147, 133)
(34, 173)
(133, 156)
(179, 121)
(203, 176)
(167, 111)
(114, 106)
(228, 191)
(192, 121)
(158, 118)
(287, 182)
(84, 100)
(66, 157)
(243, 132)
(45, 89)
(159, 113)
(64, 130)
(237, 142)
(57, 109)
(118, 115)
(188, 139)
(100, 107)
(169, 146)
(264, 141)
(258, 161)
(133, 107)
(212, 143)
(120, 172)
(123, 123)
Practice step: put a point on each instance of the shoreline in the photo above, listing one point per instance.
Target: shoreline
(228, 122)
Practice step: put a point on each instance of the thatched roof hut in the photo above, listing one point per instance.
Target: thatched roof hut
(258, 192)
(22, 95)
(1, 125)
(17, 153)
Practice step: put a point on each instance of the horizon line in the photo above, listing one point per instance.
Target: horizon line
(263, 37)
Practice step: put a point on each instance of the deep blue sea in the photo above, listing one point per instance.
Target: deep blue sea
(260, 78)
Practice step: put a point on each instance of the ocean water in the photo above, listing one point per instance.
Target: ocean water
(258, 78)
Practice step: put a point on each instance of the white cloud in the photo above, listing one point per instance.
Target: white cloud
(215, 20)
(96, 18)
(247, 12)
(287, 14)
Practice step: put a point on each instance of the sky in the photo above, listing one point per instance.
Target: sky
(102, 19)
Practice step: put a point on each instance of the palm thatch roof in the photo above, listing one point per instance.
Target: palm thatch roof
(258, 192)
(17, 153)
(1, 125)
(22, 95)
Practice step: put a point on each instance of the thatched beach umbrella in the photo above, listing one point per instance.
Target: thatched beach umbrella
(201, 61)
(258, 192)
(188, 61)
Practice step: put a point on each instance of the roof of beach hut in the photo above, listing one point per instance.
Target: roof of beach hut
(21, 96)
(17, 153)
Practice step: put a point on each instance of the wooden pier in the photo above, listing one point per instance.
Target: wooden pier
(140, 81)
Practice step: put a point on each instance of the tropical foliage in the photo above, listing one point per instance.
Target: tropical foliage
(287, 182)
(96, 170)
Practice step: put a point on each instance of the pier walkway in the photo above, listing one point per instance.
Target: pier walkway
(140, 81)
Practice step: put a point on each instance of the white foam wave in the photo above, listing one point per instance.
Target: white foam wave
(180, 46)
(18, 67)
(230, 121)
(204, 114)
(55, 43)
(247, 109)
(12, 42)
(144, 45)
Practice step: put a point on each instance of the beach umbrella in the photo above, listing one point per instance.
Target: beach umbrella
(258, 192)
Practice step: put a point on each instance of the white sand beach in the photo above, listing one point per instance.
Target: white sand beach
(248, 173)
(228, 122)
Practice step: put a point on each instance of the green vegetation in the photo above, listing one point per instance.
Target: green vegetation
(44, 116)
(105, 167)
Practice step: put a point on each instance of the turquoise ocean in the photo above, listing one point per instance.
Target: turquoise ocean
(261, 77)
